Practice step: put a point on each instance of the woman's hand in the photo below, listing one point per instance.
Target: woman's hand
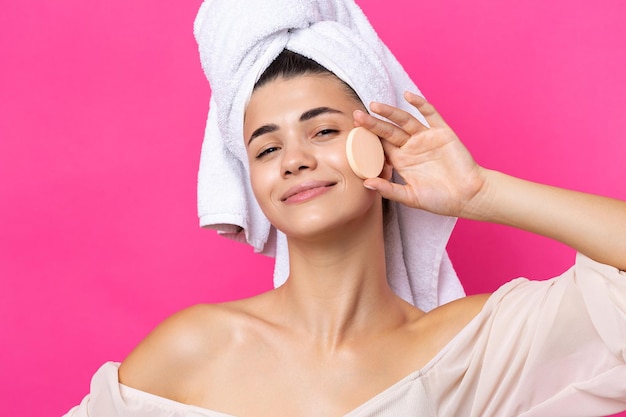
(440, 174)
(442, 177)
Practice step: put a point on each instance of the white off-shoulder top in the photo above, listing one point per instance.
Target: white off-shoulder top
(537, 349)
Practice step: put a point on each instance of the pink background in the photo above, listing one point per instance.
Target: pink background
(102, 110)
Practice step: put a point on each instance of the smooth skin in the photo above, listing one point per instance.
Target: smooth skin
(335, 335)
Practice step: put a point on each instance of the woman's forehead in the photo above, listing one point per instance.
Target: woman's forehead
(301, 91)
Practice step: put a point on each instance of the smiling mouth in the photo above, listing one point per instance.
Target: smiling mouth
(306, 192)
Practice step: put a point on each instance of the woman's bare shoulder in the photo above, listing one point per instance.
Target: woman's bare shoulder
(459, 313)
(469, 305)
(172, 354)
(440, 325)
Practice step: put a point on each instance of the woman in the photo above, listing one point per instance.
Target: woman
(335, 340)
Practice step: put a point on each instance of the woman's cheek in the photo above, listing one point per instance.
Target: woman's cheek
(337, 157)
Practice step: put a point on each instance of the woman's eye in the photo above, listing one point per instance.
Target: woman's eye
(267, 152)
(325, 132)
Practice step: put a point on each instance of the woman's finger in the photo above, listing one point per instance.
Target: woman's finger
(427, 110)
(381, 128)
(405, 120)
(390, 190)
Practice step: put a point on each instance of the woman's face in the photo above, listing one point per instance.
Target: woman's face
(295, 134)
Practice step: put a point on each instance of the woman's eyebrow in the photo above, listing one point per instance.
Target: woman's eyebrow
(262, 130)
(307, 115)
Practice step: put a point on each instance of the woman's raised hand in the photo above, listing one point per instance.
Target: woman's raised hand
(442, 177)
(440, 174)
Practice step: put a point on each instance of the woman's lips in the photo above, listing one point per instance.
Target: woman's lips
(306, 191)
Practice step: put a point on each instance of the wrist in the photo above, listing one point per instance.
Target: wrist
(481, 206)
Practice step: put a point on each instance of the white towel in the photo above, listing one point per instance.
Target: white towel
(238, 39)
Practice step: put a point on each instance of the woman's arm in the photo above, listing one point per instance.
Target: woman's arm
(442, 177)
(593, 225)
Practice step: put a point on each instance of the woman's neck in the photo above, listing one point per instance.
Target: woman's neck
(338, 288)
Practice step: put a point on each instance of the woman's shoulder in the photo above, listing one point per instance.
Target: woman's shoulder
(460, 311)
(181, 348)
(440, 325)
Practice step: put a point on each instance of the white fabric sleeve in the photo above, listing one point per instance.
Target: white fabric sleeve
(541, 348)
(108, 398)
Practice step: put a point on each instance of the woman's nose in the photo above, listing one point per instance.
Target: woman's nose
(297, 157)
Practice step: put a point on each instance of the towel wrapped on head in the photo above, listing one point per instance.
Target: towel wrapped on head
(238, 40)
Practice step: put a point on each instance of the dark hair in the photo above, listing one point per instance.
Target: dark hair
(289, 65)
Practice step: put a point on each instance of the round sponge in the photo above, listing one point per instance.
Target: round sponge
(365, 153)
